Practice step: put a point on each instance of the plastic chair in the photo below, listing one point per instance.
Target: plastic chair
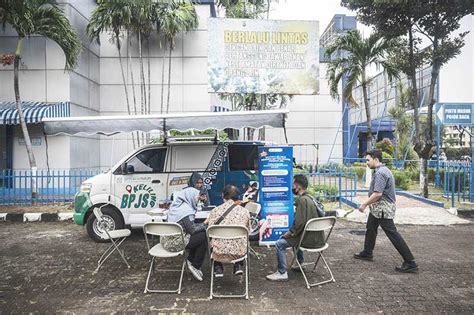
(229, 232)
(316, 225)
(158, 251)
(116, 237)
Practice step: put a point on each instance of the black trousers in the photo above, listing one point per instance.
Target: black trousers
(218, 263)
(391, 231)
(197, 248)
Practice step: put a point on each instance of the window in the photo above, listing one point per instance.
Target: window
(148, 161)
(243, 157)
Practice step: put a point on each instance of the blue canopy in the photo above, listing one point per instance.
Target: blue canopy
(34, 112)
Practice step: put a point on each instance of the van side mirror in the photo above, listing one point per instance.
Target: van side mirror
(123, 168)
(127, 169)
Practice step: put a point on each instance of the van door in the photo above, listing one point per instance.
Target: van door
(186, 159)
(143, 185)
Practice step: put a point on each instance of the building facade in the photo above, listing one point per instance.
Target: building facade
(95, 87)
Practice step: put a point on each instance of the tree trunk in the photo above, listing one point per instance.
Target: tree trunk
(163, 79)
(414, 87)
(169, 80)
(431, 98)
(124, 81)
(24, 128)
(149, 76)
(133, 84)
(424, 177)
(142, 82)
(367, 112)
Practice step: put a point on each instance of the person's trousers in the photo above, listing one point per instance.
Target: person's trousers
(391, 231)
(218, 263)
(197, 248)
(281, 245)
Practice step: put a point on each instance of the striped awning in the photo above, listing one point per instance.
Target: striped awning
(34, 112)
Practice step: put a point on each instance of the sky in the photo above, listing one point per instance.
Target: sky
(319, 10)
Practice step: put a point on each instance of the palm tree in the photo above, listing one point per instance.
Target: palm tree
(112, 16)
(175, 17)
(352, 56)
(45, 18)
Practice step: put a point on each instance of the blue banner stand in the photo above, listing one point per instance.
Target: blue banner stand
(276, 197)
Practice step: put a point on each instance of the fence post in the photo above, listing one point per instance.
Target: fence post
(452, 188)
(340, 188)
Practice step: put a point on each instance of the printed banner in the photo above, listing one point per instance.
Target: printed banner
(276, 197)
(263, 56)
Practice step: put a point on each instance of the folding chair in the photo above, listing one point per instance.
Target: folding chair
(229, 232)
(316, 225)
(254, 209)
(158, 251)
(116, 237)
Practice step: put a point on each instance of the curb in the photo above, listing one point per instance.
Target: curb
(35, 217)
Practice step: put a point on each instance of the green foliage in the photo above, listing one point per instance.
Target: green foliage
(45, 18)
(387, 159)
(363, 53)
(402, 179)
(245, 9)
(457, 153)
(385, 145)
(324, 192)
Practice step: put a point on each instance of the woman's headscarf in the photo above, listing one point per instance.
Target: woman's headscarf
(184, 204)
(195, 177)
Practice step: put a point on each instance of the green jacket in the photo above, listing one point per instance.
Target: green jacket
(305, 210)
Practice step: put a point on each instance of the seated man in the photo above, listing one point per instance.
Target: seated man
(305, 211)
(225, 251)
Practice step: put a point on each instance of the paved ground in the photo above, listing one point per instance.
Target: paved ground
(410, 211)
(47, 267)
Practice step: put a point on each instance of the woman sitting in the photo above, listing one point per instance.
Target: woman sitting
(182, 211)
(226, 251)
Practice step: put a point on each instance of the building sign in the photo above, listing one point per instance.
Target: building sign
(263, 56)
(276, 197)
(457, 114)
(35, 141)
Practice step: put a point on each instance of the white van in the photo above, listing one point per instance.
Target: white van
(147, 177)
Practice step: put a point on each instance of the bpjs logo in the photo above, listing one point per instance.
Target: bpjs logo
(138, 196)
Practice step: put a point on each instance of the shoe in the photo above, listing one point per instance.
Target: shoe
(218, 271)
(238, 270)
(411, 267)
(363, 256)
(296, 268)
(197, 274)
(277, 276)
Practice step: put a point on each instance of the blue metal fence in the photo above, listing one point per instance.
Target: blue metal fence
(56, 187)
(332, 185)
(52, 186)
(456, 179)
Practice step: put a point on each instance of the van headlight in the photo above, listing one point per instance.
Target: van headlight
(86, 187)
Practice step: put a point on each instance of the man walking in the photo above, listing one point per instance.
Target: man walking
(381, 203)
(305, 211)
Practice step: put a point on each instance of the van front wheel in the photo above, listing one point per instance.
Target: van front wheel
(111, 221)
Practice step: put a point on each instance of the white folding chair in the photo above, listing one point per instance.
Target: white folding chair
(158, 251)
(116, 237)
(254, 210)
(229, 232)
(316, 225)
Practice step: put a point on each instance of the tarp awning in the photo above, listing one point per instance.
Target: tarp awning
(109, 125)
(34, 112)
